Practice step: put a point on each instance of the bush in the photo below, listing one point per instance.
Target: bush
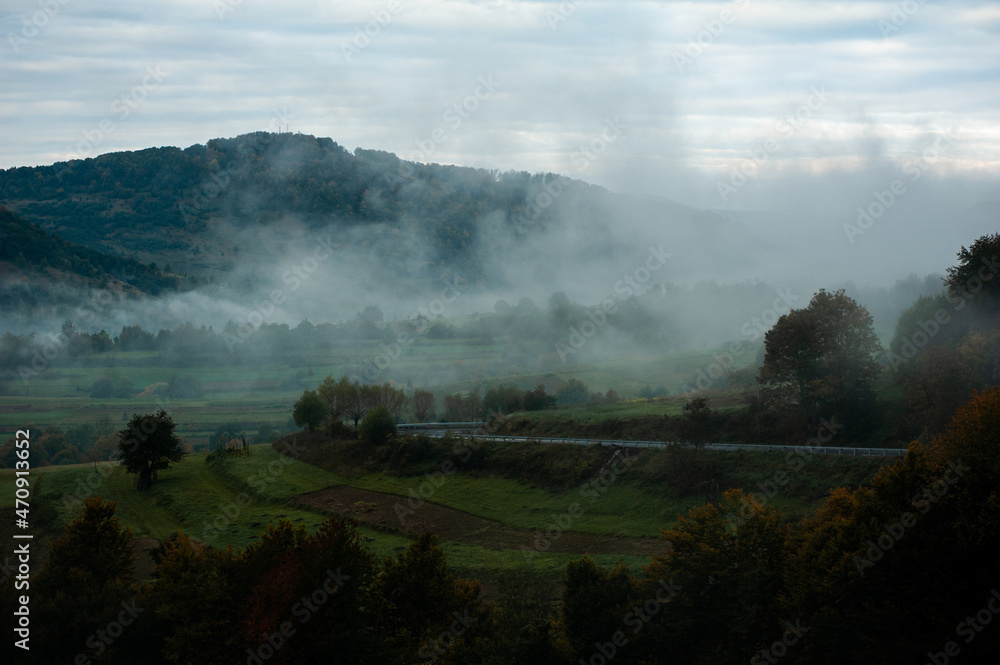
(338, 431)
(377, 426)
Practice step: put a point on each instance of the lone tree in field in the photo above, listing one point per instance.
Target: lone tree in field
(827, 353)
(149, 444)
(311, 410)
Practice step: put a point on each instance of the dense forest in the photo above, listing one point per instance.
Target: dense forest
(122, 201)
(49, 270)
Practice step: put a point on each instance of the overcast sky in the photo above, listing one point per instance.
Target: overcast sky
(672, 98)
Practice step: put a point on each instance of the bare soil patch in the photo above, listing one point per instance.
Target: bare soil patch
(379, 509)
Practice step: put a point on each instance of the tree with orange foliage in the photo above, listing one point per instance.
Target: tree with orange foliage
(728, 560)
(885, 573)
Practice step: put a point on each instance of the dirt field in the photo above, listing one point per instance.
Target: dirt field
(379, 509)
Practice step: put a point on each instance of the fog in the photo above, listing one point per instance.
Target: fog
(705, 158)
(670, 276)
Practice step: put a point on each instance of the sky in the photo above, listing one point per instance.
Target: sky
(723, 105)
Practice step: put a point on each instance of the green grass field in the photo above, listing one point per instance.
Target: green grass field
(234, 505)
(233, 502)
(622, 509)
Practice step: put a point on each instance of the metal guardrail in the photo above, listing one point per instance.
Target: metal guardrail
(418, 426)
(822, 450)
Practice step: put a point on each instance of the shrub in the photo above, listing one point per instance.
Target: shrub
(377, 426)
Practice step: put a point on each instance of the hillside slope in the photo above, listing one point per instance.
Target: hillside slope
(211, 208)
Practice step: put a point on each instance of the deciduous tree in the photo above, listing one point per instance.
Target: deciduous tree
(423, 404)
(827, 352)
(149, 445)
(977, 276)
(83, 584)
(310, 410)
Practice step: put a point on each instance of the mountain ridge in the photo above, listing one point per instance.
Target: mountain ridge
(187, 206)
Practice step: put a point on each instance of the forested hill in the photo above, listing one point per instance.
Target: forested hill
(120, 201)
(188, 206)
(26, 250)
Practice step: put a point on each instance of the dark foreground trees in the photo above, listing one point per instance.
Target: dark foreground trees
(149, 445)
(86, 584)
(295, 596)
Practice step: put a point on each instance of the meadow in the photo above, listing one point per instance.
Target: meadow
(487, 521)
(234, 505)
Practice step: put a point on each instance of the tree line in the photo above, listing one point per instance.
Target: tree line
(335, 400)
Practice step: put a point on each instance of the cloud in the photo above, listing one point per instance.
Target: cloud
(384, 74)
